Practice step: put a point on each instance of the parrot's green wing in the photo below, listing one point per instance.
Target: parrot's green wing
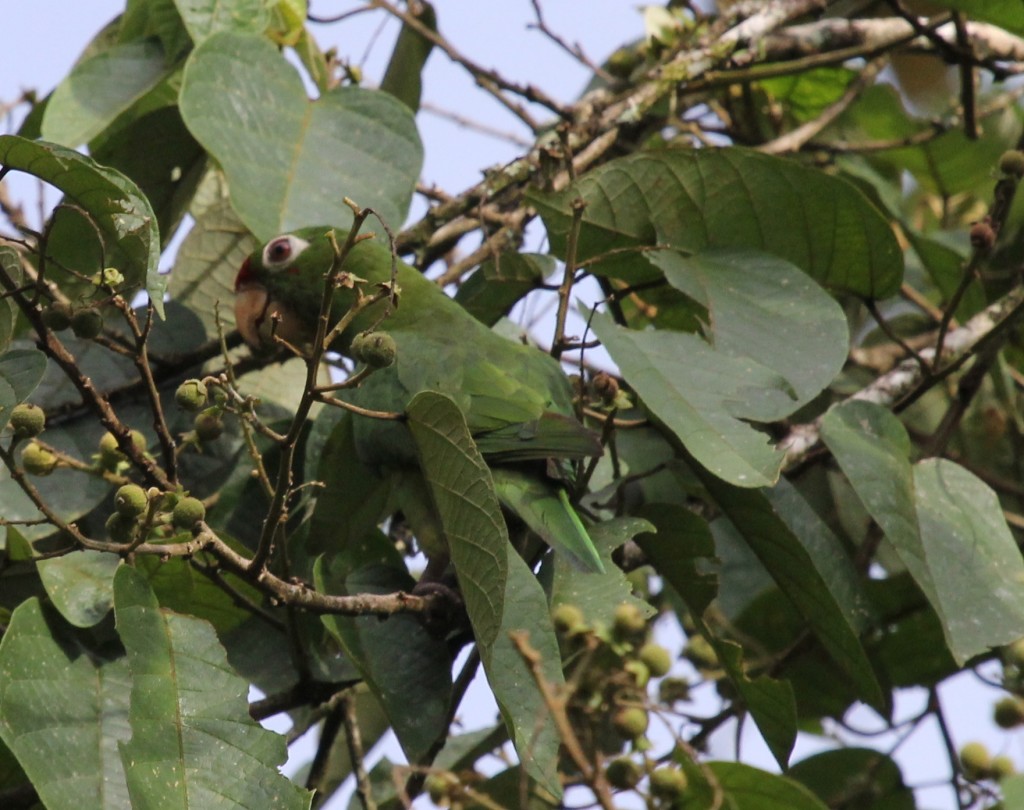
(544, 507)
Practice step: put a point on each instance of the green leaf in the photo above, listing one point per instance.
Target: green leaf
(204, 18)
(944, 523)
(397, 657)
(771, 702)
(501, 594)
(743, 787)
(193, 742)
(598, 595)
(692, 199)
(500, 283)
(682, 538)
(160, 155)
(121, 213)
(464, 497)
(1004, 13)
(699, 394)
(765, 309)
(974, 561)
(855, 778)
(99, 89)
(801, 572)
(402, 78)
(146, 19)
(291, 162)
(81, 585)
(806, 94)
(179, 586)
(21, 371)
(11, 266)
(63, 709)
(948, 164)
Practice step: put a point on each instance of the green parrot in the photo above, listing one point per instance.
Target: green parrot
(517, 401)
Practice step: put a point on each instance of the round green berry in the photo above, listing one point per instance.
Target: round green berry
(37, 460)
(976, 760)
(657, 658)
(376, 349)
(441, 786)
(120, 527)
(568, 619)
(110, 453)
(1002, 766)
(191, 395)
(1014, 653)
(628, 621)
(87, 323)
(187, 512)
(131, 500)
(1009, 712)
(623, 773)
(668, 783)
(208, 425)
(700, 652)
(57, 316)
(1012, 162)
(27, 420)
(630, 722)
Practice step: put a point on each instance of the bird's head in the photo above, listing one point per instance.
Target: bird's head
(282, 280)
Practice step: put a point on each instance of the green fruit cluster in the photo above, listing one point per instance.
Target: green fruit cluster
(977, 763)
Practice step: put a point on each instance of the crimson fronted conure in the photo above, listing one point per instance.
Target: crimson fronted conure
(516, 399)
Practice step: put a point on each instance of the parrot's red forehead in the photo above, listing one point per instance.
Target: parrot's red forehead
(245, 275)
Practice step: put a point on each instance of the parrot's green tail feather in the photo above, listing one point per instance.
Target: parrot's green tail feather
(545, 508)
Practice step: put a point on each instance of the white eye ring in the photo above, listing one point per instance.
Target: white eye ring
(281, 251)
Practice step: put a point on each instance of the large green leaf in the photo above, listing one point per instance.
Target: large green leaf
(81, 585)
(63, 709)
(154, 19)
(501, 594)
(204, 18)
(193, 743)
(949, 164)
(162, 158)
(974, 561)
(116, 207)
(765, 309)
(855, 778)
(743, 787)
(692, 199)
(99, 89)
(291, 162)
(698, 393)
(775, 341)
(805, 572)
(944, 523)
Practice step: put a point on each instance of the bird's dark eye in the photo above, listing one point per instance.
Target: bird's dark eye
(281, 250)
